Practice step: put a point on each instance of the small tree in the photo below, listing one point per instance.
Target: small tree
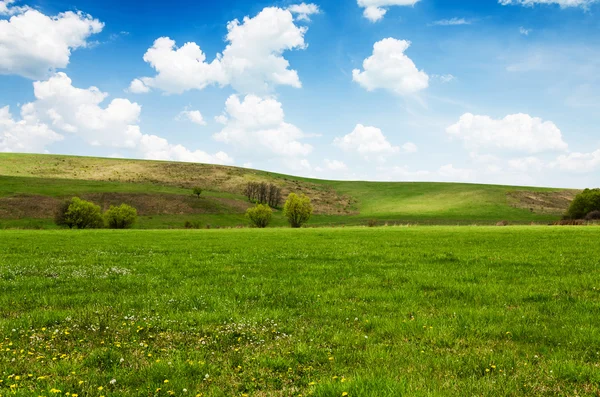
(297, 209)
(197, 191)
(83, 214)
(584, 203)
(121, 217)
(260, 216)
(60, 217)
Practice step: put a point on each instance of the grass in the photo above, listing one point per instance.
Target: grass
(23, 176)
(421, 311)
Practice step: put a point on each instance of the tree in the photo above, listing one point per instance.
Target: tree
(197, 191)
(584, 203)
(60, 217)
(121, 217)
(83, 214)
(260, 216)
(297, 209)
(263, 193)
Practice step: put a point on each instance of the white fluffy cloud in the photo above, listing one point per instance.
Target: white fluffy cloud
(193, 116)
(26, 135)
(33, 44)
(157, 148)
(75, 111)
(578, 162)
(518, 132)
(561, 3)
(252, 62)
(390, 69)
(369, 141)
(258, 125)
(303, 11)
(335, 165)
(376, 9)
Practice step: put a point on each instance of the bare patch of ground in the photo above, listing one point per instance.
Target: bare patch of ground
(33, 206)
(555, 202)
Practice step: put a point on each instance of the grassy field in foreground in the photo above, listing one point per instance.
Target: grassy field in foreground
(427, 311)
(32, 187)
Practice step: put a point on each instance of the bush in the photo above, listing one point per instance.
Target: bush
(584, 203)
(593, 216)
(297, 209)
(197, 191)
(372, 222)
(60, 217)
(502, 223)
(121, 217)
(83, 214)
(260, 216)
(192, 225)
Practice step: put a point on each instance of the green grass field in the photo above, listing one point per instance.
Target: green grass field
(420, 311)
(32, 186)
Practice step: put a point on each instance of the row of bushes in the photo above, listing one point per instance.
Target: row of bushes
(297, 210)
(80, 214)
(586, 205)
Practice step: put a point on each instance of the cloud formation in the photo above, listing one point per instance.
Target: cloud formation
(390, 69)
(517, 132)
(375, 10)
(257, 125)
(33, 45)
(252, 62)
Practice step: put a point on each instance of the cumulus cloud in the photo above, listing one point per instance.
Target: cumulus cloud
(157, 148)
(524, 32)
(376, 9)
(59, 106)
(369, 141)
(193, 116)
(252, 62)
(578, 162)
(335, 165)
(137, 86)
(390, 69)
(303, 11)
(562, 3)
(33, 44)
(27, 135)
(258, 125)
(518, 132)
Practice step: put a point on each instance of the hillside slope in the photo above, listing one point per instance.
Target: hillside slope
(31, 186)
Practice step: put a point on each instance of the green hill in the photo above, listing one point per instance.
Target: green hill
(32, 186)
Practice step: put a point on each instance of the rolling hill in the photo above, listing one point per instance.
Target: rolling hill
(32, 186)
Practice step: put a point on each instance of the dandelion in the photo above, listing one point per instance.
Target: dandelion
(344, 394)
(166, 381)
(100, 388)
(54, 391)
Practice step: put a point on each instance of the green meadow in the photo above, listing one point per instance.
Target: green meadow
(396, 311)
(33, 186)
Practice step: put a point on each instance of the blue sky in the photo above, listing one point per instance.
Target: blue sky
(498, 91)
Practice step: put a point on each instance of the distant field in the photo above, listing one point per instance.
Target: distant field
(32, 186)
(421, 311)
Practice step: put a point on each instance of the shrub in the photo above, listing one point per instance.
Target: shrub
(593, 216)
(297, 209)
(192, 225)
(584, 203)
(83, 214)
(121, 217)
(372, 222)
(197, 191)
(568, 222)
(260, 216)
(502, 223)
(60, 217)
